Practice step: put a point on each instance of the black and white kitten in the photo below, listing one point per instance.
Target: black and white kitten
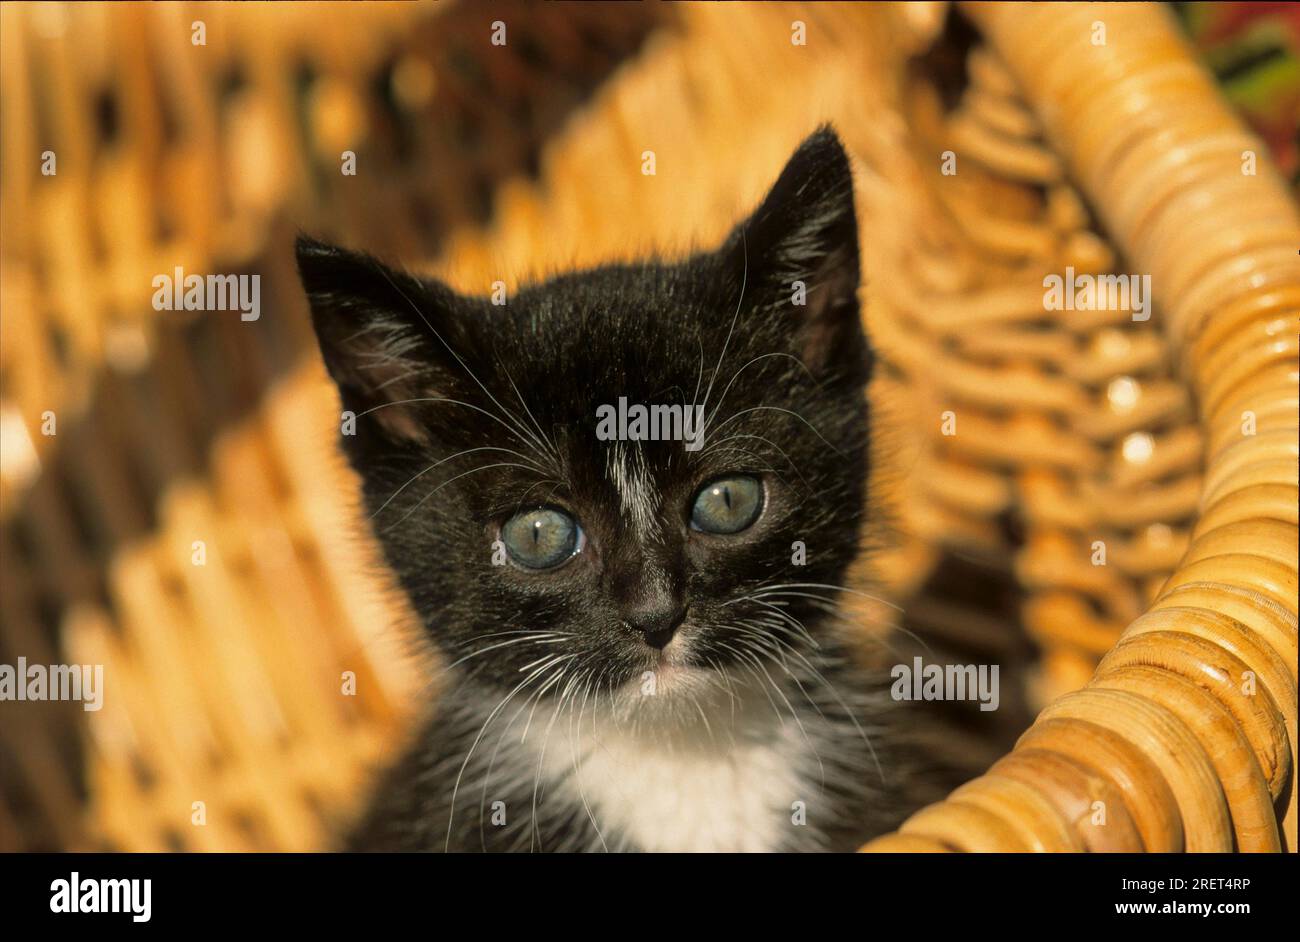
(645, 645)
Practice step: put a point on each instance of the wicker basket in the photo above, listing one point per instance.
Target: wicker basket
(1167, 676)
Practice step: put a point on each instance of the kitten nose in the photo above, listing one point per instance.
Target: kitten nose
(657, 621)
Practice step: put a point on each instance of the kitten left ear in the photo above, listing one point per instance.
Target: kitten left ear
(800, 249)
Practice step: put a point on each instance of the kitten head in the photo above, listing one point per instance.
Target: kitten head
(653, 467)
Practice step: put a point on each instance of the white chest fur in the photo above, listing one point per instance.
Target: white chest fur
(725, 791)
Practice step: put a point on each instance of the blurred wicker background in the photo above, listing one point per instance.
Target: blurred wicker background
(487, 162)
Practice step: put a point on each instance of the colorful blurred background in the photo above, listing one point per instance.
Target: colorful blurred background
(133, 439)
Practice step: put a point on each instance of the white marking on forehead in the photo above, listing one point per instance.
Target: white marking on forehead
(625, 466)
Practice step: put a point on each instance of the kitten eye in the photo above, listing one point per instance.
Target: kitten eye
(542, 538)
(727, 505)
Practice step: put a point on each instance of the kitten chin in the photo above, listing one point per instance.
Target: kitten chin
(643, 627)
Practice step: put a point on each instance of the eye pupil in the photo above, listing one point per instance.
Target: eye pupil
(728, 506)
(542, 538)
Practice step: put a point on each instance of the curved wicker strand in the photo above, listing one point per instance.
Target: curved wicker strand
(1203, 685)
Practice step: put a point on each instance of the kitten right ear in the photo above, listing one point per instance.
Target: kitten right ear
(376, 329)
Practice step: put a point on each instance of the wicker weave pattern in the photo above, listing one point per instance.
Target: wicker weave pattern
(1170, 729)
(154, 169)
(1072, 422)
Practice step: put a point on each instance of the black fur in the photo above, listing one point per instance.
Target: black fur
(720, 328)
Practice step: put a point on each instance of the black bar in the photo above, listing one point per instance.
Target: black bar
(462, 895)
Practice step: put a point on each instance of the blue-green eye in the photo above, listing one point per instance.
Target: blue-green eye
(728, 505)
(542, 538)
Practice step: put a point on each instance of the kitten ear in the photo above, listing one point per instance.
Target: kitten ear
(376, 329)
(800, 248)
